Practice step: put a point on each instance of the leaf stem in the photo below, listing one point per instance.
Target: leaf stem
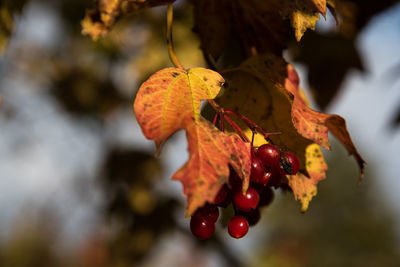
(221, 121)
(252, 125)
(215, 106)
(236, 128)
(171, 51)
(215, 118)
(252, 136)
(252, 151)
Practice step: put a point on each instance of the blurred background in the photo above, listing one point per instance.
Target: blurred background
(79, 185)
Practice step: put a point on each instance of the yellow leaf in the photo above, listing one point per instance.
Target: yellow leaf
(303, 20)
(303, 14)
(305, 188)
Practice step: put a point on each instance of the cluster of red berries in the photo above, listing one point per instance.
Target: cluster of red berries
(269, 165)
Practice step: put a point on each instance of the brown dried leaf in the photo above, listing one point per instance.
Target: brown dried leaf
(256, 25)
(98, 21)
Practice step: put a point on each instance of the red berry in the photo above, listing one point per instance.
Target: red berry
(235, 182)
(257, 169)
(285, 188)
(222, 194)
(201, 227)
(247, 201)
(266, 176)
(238, 227)
(275, 178)
(290, 163)
(227, 201)
(252, 216)
(266, 195)
(284, 164)
(208, 212)
(269, 155)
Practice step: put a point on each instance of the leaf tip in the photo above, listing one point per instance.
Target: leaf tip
(305, 202)
(361, 165)
(159, 146)
(192, 206)
(298, 36)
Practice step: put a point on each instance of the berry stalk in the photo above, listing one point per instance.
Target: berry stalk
(221, 112)
(251, 124)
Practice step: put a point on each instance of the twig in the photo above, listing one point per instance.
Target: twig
(171, 51)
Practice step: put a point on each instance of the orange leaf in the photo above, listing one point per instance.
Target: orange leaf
(207, 169)
(170, 100)
(309, 123)
(169, 97)
(314, 125)
(265, 89)
(267, 104)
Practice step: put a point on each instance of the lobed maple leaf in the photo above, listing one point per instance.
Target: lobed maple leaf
(309, 123)
(266, 104)
(265, 88)
(170, 100)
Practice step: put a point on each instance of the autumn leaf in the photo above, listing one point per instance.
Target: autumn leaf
(265, 88)
(303, 20)
(207, 169)
(170, 100)
(303, 14)
(305, 188)
(309, 123)
(98, 21)
(5, 30)
(328, 67)
(319, 5)
(8, 12)
(265, 103)
(210, 18)
(170, 97)
(257, 25)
